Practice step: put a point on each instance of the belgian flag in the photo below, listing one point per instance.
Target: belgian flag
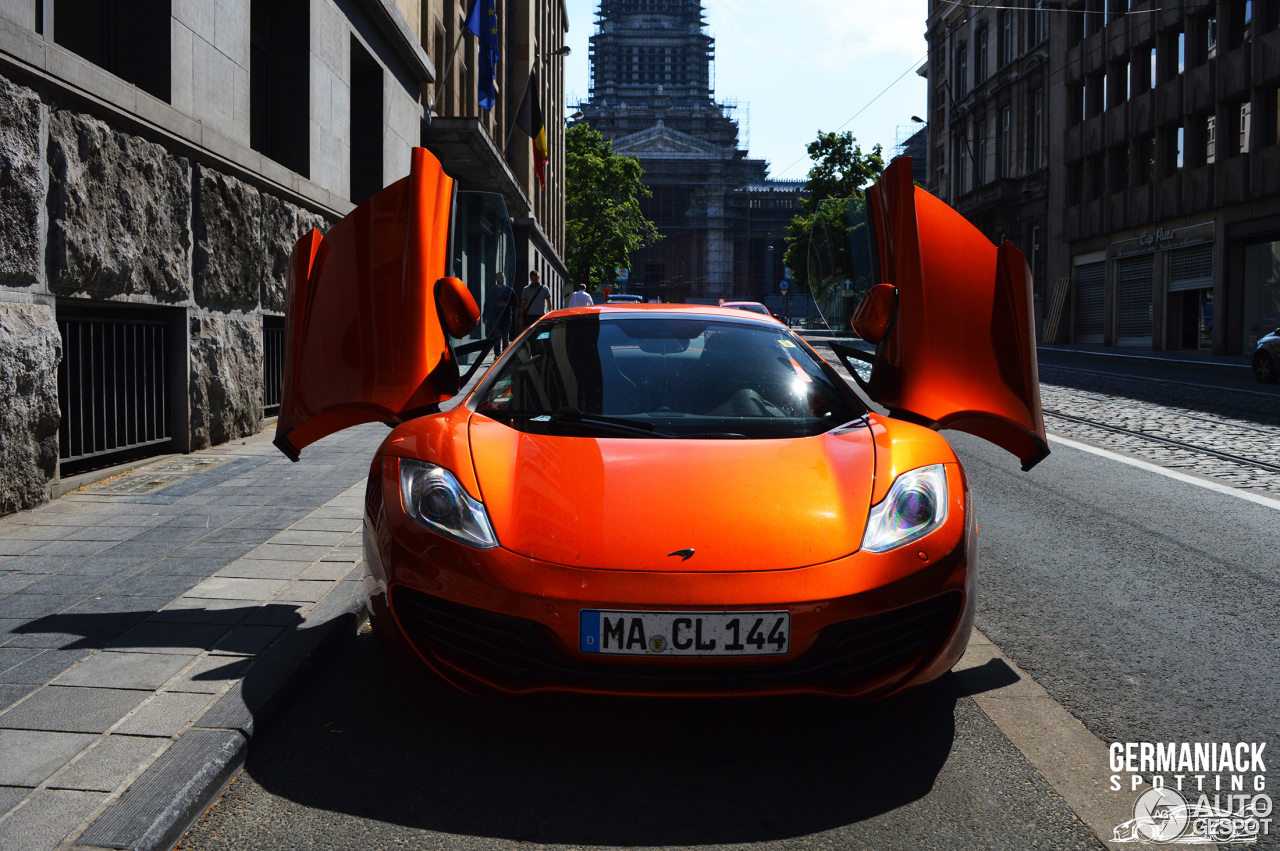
(529, 119)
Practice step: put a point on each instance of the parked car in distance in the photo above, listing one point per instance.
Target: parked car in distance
(1266, 358)
(621, 298)
(753, 307)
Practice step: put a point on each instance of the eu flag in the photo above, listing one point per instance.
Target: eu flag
(482, 22)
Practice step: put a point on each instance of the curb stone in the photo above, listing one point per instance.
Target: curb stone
(160, 807)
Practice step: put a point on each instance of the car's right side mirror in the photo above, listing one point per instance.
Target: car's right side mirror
(874, 314)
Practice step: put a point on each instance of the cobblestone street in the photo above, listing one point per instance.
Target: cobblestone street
(1234, 422)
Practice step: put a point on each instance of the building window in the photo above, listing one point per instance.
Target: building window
(1119, 167)
(1037, 23)
(1006, 37)
(1075, 104)
(1211, 139)
(1004, 146)
(940, 166)
(1075, 184)
(1246, 109)
(366, 123)
(962, 70)
(279, 82)
(1037, 130)
(1147, 67)
(1144, 164)
(980, 156)
(980, 56)
(1210, 37)
(1178, 139)
(128, 38)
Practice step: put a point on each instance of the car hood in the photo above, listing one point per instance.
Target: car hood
(628, 504)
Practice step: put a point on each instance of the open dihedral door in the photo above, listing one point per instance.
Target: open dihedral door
(366, 312)
(960, 353)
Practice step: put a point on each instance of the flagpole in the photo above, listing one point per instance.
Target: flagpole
(507, 143)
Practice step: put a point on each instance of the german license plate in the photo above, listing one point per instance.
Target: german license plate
(684, 633)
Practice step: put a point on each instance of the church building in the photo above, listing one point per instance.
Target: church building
(652, 94)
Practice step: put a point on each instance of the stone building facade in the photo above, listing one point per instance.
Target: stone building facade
(651, 94)
(154, 177)
(1132, 150)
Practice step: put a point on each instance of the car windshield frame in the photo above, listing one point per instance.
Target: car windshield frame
(826, 399)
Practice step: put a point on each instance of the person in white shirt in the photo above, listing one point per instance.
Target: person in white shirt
(580, 297)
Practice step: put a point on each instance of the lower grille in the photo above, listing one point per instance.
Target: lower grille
(513, 650)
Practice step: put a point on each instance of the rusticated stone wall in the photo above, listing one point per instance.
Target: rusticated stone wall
(21, 190)
(119, 212)
(283, 225)
(228, 250)
(30, 349)
(225, 378)
(91, 212)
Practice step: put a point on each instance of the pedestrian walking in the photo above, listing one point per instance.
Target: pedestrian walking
(499, 312)
(580, 297)
(533, 301)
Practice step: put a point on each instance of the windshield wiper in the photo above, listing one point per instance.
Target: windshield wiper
(576, 417)
(573, 415)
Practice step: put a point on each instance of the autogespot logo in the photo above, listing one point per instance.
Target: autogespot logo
(1217, 796)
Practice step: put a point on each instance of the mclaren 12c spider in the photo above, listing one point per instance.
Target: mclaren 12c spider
(661, 499)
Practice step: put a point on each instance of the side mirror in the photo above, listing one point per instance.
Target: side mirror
(874, 314)
(459, 312)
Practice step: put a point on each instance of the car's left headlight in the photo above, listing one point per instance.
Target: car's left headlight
(914, 507)
(435, 498)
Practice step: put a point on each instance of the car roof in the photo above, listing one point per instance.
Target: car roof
(636, 308)
(736, 303)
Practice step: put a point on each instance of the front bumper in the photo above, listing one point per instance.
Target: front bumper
(493, 621)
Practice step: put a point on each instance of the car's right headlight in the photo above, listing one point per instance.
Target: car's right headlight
(914, 507)
(435, 498)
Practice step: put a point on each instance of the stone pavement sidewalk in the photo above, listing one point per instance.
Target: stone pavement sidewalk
(146, 620)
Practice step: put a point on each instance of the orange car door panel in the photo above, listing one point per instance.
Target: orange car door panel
(364, 340)
(961, 352)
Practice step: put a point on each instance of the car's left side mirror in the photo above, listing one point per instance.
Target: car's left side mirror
(459, 312)
(873, 316)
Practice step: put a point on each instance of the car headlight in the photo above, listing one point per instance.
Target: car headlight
(914, 507)
(435, 498)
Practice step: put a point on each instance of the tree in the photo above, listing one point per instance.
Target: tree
(840, 171)
(603, 220)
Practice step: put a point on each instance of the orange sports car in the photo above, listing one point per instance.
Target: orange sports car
(660, 499)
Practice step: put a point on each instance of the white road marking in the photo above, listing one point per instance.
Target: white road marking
(1173, 474)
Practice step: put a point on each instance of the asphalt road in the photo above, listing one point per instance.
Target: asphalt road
(1146, 606)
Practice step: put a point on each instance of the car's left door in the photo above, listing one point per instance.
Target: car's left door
(369, 311)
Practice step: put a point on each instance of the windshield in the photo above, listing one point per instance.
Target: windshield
(682, 376)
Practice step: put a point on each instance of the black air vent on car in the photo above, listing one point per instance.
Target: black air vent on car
(513, 650)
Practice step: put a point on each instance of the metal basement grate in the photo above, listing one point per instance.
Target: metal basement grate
(272, 364)
(1133, 301)
(112, 386)
(1091, 279)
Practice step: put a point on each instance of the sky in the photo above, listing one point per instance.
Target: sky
(803, 66)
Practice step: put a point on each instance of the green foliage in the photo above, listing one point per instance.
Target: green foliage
(603, 221)
(840, 171)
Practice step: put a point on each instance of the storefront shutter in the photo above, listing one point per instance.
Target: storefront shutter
(1133, 301)
(1091, 279)
(1191, 268)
